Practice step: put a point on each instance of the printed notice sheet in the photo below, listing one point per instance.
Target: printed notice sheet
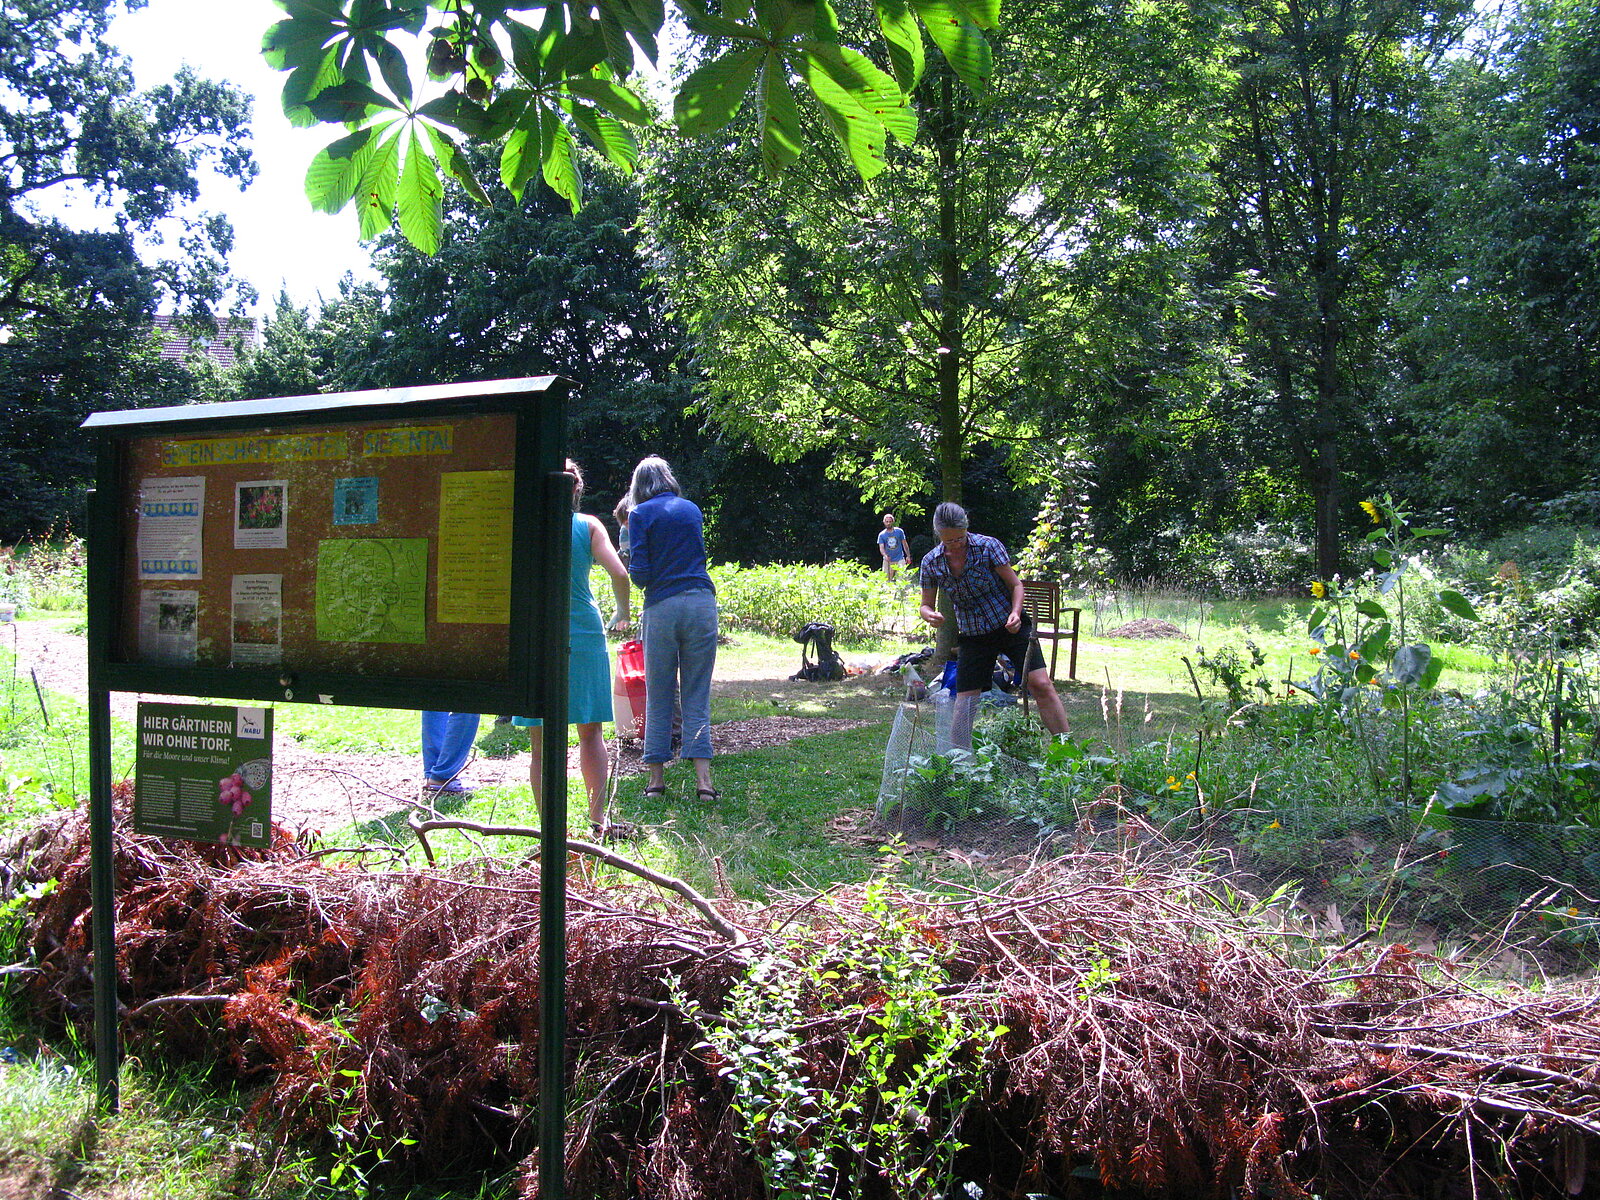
(261, 515)
(167, 633)
(257, 619)
(372, 590)
(474, 548)
(171, 510)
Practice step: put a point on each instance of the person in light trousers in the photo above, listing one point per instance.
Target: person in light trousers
(678, 622)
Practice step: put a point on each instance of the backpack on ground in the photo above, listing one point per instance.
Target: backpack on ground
(819, 661)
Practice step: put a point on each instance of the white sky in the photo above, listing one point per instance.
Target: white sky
(279, 241)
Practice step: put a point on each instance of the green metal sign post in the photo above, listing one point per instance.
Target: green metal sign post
(404, 548)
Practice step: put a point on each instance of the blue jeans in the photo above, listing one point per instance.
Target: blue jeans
(680, 649)
(446, 742)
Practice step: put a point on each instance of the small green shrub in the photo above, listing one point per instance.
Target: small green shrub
(1539, 586)
(780, 598)
(50, 574)
(912, 1060)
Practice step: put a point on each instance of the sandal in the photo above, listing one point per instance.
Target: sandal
(659, 789)
(711, 794)
(614, 831)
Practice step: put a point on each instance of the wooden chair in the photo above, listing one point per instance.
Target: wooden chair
(1041, 600)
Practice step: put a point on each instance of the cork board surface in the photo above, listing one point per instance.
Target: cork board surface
(376, 548)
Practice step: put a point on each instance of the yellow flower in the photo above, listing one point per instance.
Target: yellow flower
(1275, 825)
(1371, 510)
(1190, 775)
(1318, 588)
(1316, 650)
(1572, 912)
(1355, 654)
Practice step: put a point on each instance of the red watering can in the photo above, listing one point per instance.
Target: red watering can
(627, 690)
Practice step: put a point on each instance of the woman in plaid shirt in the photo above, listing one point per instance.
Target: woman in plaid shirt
(975, 572)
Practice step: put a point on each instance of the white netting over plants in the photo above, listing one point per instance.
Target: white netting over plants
(929, 783)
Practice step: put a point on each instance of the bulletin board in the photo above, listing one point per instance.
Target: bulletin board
(401, 548)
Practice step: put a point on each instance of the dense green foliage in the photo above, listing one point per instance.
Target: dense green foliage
(779, 599)
(959, 302)
(538, 89)
(1199, 277)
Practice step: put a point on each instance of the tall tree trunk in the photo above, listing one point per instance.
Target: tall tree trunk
(946, 134)
(1326, 496)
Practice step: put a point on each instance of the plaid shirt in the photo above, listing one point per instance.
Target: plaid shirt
(982, 601)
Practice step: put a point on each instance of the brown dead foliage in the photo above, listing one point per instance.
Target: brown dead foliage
(1155, 1044)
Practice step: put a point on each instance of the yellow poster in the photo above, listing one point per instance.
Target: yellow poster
(474, 548)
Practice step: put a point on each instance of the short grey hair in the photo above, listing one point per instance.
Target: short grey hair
(949, 515)
(651, 478)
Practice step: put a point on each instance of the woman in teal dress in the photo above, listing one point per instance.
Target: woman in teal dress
(588, 661)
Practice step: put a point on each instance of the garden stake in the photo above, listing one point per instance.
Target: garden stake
(1198, 694)
(39, 692)
(1555, 711)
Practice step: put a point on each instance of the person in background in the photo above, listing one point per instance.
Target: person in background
(678, 619)
(446, 742)
(620, 515)
(892, 545)
(975, 572)
(588, 662)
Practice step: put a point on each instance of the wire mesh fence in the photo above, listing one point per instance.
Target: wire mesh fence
(1418, 865)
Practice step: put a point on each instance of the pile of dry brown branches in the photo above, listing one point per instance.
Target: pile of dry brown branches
(1153, 1041)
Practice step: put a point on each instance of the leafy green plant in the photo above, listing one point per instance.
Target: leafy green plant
(13, 914)
(1070, 774)
(1099, 977)
(1529, 747)
(1362, 639)
(1228, 669)
(780, 598)
(912, 1063)
(48, 574)
(951, 789)
(1008, 731)
(360, 1143)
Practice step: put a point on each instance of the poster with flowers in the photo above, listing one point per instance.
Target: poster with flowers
(204, 772)
(261, 515)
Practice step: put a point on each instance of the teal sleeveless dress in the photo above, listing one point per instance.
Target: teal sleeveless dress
(588, 661)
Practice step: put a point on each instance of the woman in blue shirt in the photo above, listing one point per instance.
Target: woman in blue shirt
(678, 621)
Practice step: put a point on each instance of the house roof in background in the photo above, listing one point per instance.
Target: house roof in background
(222, 347)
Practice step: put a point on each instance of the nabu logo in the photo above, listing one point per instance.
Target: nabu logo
(252, 723)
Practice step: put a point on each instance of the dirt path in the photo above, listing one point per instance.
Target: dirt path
(322, 791)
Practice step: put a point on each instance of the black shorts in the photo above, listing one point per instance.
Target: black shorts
(975, 664)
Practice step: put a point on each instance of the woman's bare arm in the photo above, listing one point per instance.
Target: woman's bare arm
(606, 555)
